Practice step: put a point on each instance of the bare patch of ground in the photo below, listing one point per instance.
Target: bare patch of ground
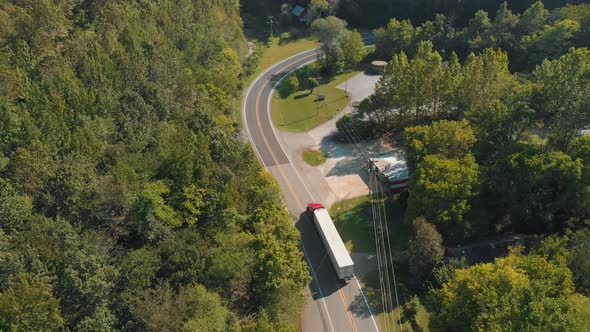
(345, 167)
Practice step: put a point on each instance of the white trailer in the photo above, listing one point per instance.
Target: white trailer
(334, 246)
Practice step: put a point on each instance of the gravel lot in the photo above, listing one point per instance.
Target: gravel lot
(343, 175)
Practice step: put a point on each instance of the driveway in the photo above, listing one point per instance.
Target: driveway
(343, 174)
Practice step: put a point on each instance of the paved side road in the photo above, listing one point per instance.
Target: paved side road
(335, 306)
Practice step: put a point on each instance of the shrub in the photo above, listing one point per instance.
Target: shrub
(289, 85)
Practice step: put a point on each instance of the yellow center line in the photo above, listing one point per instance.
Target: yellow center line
(297, 199)
(348, 312)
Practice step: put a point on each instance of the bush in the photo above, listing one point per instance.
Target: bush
(304, 73)
(289, 85)
(252, 62)
(351, 128)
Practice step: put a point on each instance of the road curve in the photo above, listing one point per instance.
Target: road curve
(338, 306)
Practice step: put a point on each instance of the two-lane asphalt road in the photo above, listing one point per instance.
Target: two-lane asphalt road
(340, 306)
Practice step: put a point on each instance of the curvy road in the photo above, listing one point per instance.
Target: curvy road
(337, 306)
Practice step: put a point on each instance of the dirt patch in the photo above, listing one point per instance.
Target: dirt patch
(345, 169)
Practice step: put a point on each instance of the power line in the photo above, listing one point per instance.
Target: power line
(379, 244)
(388, 239)
(384, 283)
(271, 22)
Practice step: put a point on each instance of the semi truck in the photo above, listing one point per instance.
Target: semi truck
(335, 248)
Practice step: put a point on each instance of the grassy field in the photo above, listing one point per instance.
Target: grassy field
(300, 112)
(280, 49)
(389, 319)
(284, 47)
(314, 157)
(353, 219)
(392, 319)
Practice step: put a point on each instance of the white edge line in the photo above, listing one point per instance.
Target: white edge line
(306, 188)
(247, 94)
(366, 302)
(244, 102)
(272, 91)
(315, 279)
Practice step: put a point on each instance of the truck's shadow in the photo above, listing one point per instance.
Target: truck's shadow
(319, 263)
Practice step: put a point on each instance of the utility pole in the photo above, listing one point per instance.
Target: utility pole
(346, 87)
(271, 22)
(317, 99)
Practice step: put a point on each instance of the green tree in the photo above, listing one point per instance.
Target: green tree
(504, 28)
(562, 95)
(353, 49)
(426, 250)
(318, 9)
(579, 262)
(412, 87)
(440, 189)
(484, 78)
(15, 210)
(500, 124)
(150, 218)
(550, 42)
(280, 271)
(102, 320)
(533, 18)
(543, 189)
(289, 86)
(512, 294)
(138, 273)
(175, 267)
(192, 308)
(83, 277)
(396, 37)
(230, 266)
(479, 32)
(313, 83)
(30, 306)
(330, 31)
(451, 139)
(570, 250)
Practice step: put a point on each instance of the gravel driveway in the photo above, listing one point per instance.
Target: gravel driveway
(343, 174)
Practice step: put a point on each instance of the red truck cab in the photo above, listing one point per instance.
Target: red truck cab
(312, 207)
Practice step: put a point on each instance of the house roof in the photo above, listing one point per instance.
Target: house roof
(297, 10)
(392, 165)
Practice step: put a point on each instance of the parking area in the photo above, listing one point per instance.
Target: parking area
(344, 174)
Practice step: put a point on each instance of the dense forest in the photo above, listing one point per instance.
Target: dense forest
(507, 143)
(375, 13)
(493, 118)
(127, 201)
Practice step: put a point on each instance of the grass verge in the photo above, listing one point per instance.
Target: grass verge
(284, 47)
(353, 219)
(300, 111)
(314, 157)
(279, 49)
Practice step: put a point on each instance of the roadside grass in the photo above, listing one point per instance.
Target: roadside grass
(280, 49)
(284, 47)
(314, 157)
(390, 320)
(353, 219)
(300, 112)
(353, 224)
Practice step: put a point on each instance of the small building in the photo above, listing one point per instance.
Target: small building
(392, 169)
(378, 66)
(299, 13)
